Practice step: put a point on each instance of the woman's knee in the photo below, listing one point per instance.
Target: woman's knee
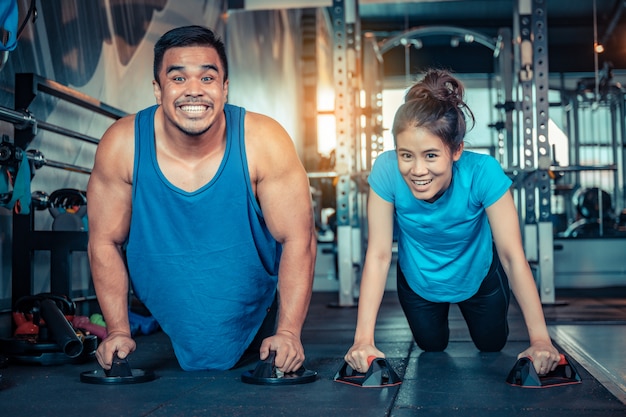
(431, 345)
(491, 341)
(490, 346)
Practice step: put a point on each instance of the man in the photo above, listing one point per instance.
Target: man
(210, 208)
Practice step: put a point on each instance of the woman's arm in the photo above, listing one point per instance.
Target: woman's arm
(375, 272)
(507, 236)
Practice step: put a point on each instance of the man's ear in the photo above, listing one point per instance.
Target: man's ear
(225, 89)
(157, 91)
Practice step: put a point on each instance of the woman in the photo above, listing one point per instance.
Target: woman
(458, 233)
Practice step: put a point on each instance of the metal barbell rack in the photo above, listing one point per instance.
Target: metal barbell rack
(26, 239)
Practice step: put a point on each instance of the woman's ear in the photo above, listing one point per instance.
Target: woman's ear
(458, 152)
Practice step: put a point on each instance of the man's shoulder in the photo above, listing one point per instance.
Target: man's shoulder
(264, 128)
(119, 136)
(121, 126)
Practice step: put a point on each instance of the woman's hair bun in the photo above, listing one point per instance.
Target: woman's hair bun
(439, 85)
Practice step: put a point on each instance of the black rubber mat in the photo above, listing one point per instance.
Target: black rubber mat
(460, 381)
(464, 382)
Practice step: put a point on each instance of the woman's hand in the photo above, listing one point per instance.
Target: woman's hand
(359, 354)
(544, 356)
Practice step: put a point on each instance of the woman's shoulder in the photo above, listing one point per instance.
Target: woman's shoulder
(474, 156)
(386, 157)
(473, 161)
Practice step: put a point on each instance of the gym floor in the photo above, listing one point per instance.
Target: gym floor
(590, 328)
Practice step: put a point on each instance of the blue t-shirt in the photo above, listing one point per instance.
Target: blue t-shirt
(444, 248)
(203, 262)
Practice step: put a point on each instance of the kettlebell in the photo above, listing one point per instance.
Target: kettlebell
(68, 207)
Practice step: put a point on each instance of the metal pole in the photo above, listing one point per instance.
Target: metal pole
(22, 120)
(39, 161)
(345, 42)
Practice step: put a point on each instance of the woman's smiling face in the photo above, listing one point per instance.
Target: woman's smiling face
(425, 163)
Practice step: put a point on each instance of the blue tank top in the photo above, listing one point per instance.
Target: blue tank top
(203, 262)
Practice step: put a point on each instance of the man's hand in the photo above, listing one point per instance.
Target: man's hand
(288, 348)
(119, 342)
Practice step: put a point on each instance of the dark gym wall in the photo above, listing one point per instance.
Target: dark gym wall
(104, 50)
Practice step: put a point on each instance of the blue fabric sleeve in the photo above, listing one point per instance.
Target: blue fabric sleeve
(381, 178)
(491, 185)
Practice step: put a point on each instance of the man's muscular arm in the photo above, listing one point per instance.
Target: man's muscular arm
(282, 188)
(109, 211)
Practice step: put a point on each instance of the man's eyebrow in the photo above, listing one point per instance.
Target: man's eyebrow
(172, 68)
(211, 67)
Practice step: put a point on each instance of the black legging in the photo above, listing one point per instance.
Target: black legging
(485, 313)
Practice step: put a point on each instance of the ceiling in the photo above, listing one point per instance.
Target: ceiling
(570, 32)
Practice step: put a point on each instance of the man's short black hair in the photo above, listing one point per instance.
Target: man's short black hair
(188, 36)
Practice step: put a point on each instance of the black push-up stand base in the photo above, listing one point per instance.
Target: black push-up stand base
(524, 375)
(266, 373)
(379, 375)
(120, 373)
